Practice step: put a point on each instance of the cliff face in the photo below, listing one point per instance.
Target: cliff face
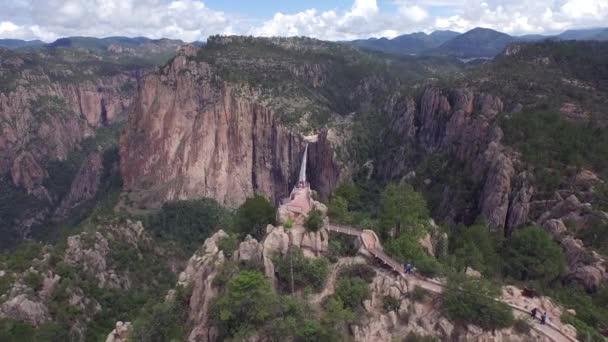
(50, 102)
(461, 124)
(192, 135)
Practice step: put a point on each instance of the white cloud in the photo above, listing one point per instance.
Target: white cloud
(49, 19)
(194, 20)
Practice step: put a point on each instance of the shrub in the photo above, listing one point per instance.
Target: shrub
(288, 224)
(16, 331)
(352, 291)
(162, 321)
(406, 248)
(600, 196)
(314, 221)
(226, 271)
(228, 244)
(254, 215)
(531, 254)
(306, 271)
(471, 301)
(362, 271)
(34, 280)
(418, 294)
(6, 283)
(390, 304)
(521, 326)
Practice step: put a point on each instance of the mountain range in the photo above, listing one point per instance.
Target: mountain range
(478, 42)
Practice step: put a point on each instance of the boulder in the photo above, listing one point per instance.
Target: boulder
(22, 308)
(586, 179)
(249, 250)
(471, 272)
(556, 228)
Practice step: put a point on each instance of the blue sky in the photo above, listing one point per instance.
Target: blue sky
(191, 20)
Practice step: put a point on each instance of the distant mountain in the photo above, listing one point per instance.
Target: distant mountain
(18, 43)
(125, 49)
(478, 42)
(413, 43)
(602, 35)
(583, 34)
(103, 44)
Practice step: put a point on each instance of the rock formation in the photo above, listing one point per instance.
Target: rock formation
(585, 267)
(120, 333)
(91, 252)
(193, 135)
(461, 123)
(199, 273)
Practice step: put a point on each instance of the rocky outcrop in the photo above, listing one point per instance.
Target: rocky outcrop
(249, 250)
(120, 332)
(585, 267)
(91, 252)
(424, 317)
(25, 309)
(199, 274)
(193, 135)
(312, 244)
(275, 242)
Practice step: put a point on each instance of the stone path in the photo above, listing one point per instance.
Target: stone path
(550, 330)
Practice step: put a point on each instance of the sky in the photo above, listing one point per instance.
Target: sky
(191, 20)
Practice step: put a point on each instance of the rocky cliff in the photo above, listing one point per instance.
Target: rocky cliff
(194, 135)
(460, 125)
(53, 104)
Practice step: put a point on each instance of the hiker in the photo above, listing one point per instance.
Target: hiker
(533, 313)
(543, 318)
(408, 268)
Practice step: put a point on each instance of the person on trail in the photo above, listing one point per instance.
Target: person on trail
(408, 268)
(533, 313)
(543, 318)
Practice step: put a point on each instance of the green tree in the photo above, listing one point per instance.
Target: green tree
(600, 196)
(228, 244)
(314, 221)
(188, 222)
(402, 208)
(351, 193)
(306, 271)
(475, 246)
(254, 215)
(352, 291)
(338, 210)
(162, 321)
(471, 300)
(530, 254)
(406, 248)
(247, 304)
